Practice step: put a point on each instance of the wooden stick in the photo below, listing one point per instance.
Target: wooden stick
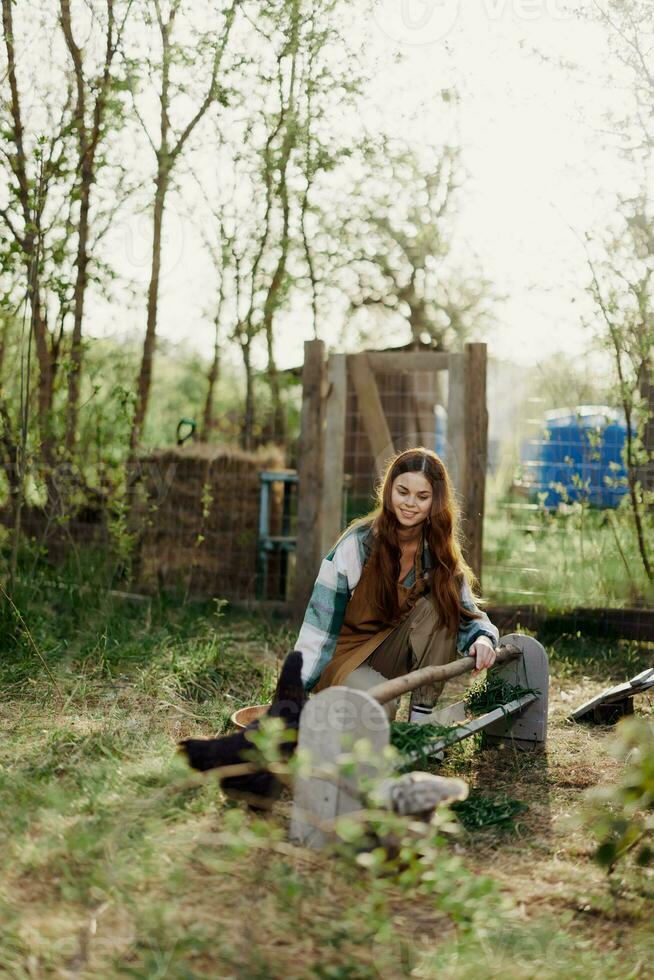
(430, 675)
(371, 409)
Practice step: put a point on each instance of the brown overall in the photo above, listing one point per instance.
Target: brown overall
(369, 650)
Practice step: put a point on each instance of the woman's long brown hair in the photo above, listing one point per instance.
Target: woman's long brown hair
(441, 532)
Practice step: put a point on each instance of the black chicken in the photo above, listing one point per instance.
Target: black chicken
(258, 788)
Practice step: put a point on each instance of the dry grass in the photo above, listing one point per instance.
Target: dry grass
(547, 865)
(116, 861)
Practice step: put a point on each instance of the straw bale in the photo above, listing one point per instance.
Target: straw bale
(202, 518)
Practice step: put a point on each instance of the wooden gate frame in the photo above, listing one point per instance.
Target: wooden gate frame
(322, 442)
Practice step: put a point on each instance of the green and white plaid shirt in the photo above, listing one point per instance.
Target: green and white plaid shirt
(338, 576)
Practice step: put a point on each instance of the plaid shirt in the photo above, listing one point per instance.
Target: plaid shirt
(338, 576)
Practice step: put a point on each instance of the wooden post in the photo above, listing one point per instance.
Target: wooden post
(371, 410)
(529, 729)
(310, 471)
(334, 454)
(476, 453)
(456, 413)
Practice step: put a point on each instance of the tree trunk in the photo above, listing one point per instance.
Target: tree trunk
(167, 154)
(30, 241)
(273, 297)
(145, 375)
(39, 330)
(74, 371)
(89, 139)
(212, 378)
(278, 417)
(248, 416)
(632, 472)
(3, 345)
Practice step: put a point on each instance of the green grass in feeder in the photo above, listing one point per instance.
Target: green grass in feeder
(408, 738)
(480, 812)
(493, 692)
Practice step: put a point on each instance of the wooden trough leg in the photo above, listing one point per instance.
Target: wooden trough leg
(330, 724)
(527, 729)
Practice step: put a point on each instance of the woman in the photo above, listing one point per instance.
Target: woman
(395, 593)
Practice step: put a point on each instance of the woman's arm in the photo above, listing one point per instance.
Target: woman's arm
(339, 574)
(471, 629)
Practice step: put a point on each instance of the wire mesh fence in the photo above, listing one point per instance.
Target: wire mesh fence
(549, 538)
(409, 400)
(558, 530)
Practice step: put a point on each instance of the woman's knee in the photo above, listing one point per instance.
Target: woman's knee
(365, 677)
(428, 636)
(424, 618)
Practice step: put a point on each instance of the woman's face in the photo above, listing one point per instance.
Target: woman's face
(411, 496)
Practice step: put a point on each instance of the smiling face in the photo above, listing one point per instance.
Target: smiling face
(411, 497)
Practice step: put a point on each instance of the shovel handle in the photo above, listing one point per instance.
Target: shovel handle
(397, 686)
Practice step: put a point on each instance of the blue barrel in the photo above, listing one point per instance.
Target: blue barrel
(575, 448)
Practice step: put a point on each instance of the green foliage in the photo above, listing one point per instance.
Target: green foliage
(604, 660)
(399, 852)
(267, 742)
(575, 556)
(396, 852)
(88, 636)
(493, 692)
(480, 811)
(410, 739)
(111, 849)
(621, 816)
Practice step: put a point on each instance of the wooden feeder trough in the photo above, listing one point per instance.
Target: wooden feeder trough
(615, 702)
(332, 721)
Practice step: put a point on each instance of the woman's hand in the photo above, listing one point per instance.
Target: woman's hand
(484, 652)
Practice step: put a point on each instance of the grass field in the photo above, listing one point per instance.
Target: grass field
(583, 557)
(116, 861)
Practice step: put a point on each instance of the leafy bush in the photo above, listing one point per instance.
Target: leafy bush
(622, 816)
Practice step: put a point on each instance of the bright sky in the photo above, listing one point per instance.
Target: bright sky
(533, 147)
(531, 140)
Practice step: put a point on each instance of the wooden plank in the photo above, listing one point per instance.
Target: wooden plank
(310, 471)
(637, 624)
(531, 670)
(448, 715)
(645, 677)
(476, 725)
(586, 708)
(423, 408)
(331, 722)
(456, 414)
(476, 454)
(408, 360)
(334, 453)
(371, 410)
(629, 689)
(619, 692)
